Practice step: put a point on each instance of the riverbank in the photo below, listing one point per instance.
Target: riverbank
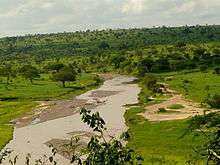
(20, 99)
(115, 93)
(156, 127)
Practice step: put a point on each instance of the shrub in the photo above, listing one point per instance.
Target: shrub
(214, 101)
(203, 68)
(161, 110)
(217, 70)
(176, 106)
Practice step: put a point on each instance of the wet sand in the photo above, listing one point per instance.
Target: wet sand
(33, 138)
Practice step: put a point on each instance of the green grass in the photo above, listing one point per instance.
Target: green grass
(160, 143)
(43, 88)
(10, 110)
(175, 106)
(194, 85)
(20, 96)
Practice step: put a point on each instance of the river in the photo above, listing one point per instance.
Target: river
(32, 138)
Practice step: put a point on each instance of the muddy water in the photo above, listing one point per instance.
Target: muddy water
(32, 138)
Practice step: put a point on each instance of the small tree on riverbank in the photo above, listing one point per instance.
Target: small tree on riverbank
(64, 75)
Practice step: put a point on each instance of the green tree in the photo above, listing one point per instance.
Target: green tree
(54, 67)
(8, 72)
(29, 72)
(64, 75)
(103, 45)
(145, 66)
(209, 126)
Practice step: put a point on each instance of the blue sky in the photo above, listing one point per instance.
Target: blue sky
(19, 17)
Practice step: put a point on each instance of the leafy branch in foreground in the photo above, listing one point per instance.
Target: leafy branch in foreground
(209, 126)
(99, 150)
(5, 156)
(102, 152)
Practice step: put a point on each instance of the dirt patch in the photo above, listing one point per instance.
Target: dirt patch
(67, 148)
(107, 76)
(53, 110)
(101, 94)
(190, 109)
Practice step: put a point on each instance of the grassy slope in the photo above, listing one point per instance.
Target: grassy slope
(196, 88)
(160, 143)
(23, 95)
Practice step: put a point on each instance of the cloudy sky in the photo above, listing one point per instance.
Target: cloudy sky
(19, 17)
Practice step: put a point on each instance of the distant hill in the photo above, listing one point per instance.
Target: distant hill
(95, 42)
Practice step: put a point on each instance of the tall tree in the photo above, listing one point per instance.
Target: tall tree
(8, 72)
(29, 72)
(64, 75)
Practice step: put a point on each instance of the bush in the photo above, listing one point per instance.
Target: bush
(217, 70)
(203, 68)
(161, 110)
(214, 102)
(176, 106)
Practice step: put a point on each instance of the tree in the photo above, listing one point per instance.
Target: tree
(8, 72)
(116, 60)
(214, 101)
(54, 67)
(209, 126)
(64, 75)
(151, 83)
(104, 45)
(29, 72)
(217, 70)
(145, 66)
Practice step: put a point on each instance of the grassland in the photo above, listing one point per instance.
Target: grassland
(19, 97)
(161, 143)
(195, 85)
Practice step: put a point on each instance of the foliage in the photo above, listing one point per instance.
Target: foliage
(217, 70)
(100, 151)
(8, 72)
(5, 155)
(29, 72)
(19, 98)
(99, 42)
(214, 101)
(151, 83)
(196, 89)
(209, 126)
(54, 67)
(161, 110)
(65, 74)
(176, 106)
(161, 142)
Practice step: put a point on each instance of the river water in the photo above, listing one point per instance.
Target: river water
(32, 138)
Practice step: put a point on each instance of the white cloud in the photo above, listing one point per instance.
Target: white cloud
(45, 16)
(133, 6)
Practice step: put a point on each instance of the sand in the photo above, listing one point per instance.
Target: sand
(34, 137)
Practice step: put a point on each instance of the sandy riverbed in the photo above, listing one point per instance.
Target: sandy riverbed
(33, 138)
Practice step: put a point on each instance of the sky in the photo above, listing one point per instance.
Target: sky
(20, 17)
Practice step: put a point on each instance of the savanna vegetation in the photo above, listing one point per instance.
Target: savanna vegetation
(56, 66)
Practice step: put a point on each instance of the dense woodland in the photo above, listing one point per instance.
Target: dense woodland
(99, 42)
